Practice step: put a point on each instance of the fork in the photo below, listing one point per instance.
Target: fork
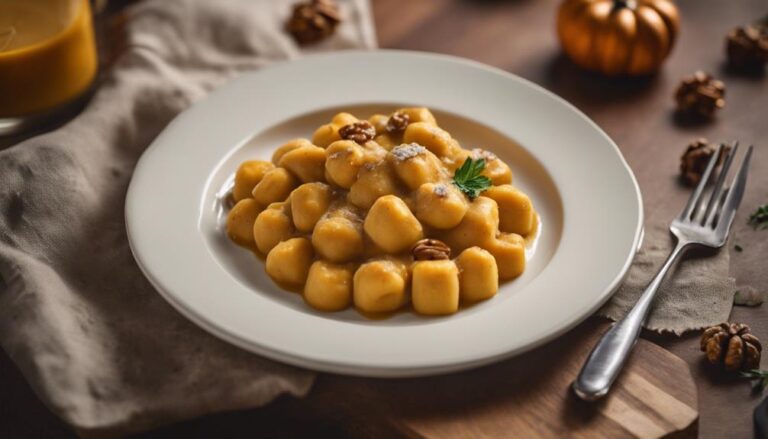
(699, 224)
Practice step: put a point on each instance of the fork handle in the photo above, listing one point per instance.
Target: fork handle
(609, 355)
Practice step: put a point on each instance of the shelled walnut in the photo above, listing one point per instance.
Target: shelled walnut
(747, 48)
(700, 95)
(694, 161)
(313, 21)
(731, 345)
(359, 132)
(398, 122)
(431, 250)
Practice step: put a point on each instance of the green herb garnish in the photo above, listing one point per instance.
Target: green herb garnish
(738, 248)
(468, 179)
(759, 376)
(759, 218)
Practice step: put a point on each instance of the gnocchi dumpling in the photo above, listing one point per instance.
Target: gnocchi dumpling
(516, 213)
(419, 114)
(272, 226)
(478, 275)
(248, 175)
(338, 238)
(432, 137)
(329, 286)
(478, 226)
(343, 161)
(391, 225)
(435, 289)
(305, 162)
(380, 286)
(374, 180)
(240, 221)
(308, 203)
(386, 141)
(509, 251)
(440, 205)
(415, 165)
(374, 153)
(288, 263)
(276, 185)
(379, 122)
(288, 147)
(495, 169)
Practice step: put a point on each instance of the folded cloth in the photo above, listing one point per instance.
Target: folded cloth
(99, 346)
(698, 291)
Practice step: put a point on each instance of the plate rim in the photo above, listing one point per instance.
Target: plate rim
(389, 370)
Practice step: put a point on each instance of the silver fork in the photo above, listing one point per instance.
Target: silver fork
(699, 224)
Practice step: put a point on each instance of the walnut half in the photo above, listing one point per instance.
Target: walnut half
(694, 160)
(313, 21)
(431, 250)
(732, 345)
(397, 122)
(700, 95)
(359, 132)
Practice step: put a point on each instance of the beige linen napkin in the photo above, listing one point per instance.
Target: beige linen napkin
(99, 346)
(698, 290)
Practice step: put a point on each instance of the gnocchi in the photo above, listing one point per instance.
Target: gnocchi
(338, 239)
(329, 286)
(435, 287)
(478, 275)
(380, 286)
(516, 213)
(381, 221)
(240, 221)
(272, 226)
(308, 203)
(248, 175)
(276, 185)
(391, 225)
(288, 262)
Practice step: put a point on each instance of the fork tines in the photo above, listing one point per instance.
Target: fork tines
(723, 201)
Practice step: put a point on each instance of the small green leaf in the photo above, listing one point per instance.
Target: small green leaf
(759, 376)
(759, 218)
(468, 179)
(738, 248)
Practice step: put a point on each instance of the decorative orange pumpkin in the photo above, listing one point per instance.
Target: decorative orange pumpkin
(618, 37)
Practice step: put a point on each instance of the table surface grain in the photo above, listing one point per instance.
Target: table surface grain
(519, 36)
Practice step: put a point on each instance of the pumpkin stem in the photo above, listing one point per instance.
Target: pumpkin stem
(618, 4)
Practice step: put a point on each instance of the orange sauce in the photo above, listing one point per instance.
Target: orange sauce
(47, 54)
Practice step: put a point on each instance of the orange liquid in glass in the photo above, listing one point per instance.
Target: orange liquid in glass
(47, 54)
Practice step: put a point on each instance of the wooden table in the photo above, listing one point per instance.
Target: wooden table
(519, 36)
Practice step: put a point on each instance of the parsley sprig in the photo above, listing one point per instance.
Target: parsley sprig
(760, 378)
(468, 179)
(759, 218)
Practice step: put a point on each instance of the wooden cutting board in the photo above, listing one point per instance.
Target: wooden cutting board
(525, 397)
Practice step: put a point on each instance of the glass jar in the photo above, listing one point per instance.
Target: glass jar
(48, 59)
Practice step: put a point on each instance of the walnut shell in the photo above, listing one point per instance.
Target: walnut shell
(732, 345)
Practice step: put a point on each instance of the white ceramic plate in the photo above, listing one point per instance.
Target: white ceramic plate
(586, 196)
